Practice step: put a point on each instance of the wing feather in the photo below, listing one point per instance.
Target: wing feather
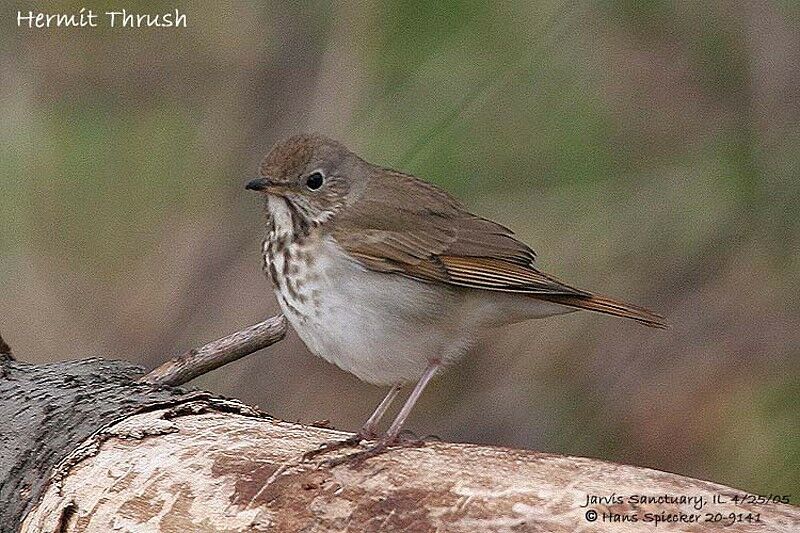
(403, 225)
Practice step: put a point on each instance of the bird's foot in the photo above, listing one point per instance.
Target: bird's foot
(357, 458)
(333, 445)
(403, 439)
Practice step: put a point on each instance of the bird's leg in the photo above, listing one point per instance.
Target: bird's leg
(391, 434)
(390, 437)
(367, 431)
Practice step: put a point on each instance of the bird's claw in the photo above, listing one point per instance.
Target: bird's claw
(333, 445)
(357, 458)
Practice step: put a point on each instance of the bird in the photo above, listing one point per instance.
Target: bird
(391, 278)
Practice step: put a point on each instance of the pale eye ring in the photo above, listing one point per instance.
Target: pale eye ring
(315, 180)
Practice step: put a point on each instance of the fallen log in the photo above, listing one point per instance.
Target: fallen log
(90, 445)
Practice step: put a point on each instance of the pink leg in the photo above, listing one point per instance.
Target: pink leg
(369, 427)
(367, 431)
(397, 425)
(391, 434)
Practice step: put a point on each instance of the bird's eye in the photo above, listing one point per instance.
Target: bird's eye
(314, 181)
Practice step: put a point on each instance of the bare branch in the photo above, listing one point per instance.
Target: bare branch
(213, 355)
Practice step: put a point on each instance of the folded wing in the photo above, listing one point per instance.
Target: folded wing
(410, 227)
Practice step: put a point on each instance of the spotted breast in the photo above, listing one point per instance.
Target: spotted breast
(289, 260)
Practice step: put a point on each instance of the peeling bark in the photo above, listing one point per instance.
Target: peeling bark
(46, 411)
(192, 462)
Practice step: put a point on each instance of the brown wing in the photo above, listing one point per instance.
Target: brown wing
(403, 225)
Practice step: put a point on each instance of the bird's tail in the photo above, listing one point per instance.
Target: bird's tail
(608, 306)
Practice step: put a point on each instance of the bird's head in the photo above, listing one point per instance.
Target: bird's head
(316, 174)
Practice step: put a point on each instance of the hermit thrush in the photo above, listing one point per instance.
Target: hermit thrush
(390, 277)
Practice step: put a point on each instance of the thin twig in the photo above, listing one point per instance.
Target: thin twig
(213, 355)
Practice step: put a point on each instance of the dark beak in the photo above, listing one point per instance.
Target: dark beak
(258, 184)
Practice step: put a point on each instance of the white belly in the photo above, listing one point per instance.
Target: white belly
(382, 328)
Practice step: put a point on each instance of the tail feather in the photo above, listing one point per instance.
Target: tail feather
(610, 307)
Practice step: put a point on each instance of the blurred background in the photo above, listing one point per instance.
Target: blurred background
(646, 150)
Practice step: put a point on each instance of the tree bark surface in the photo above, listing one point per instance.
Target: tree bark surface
(46, 411)
(124, 456)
